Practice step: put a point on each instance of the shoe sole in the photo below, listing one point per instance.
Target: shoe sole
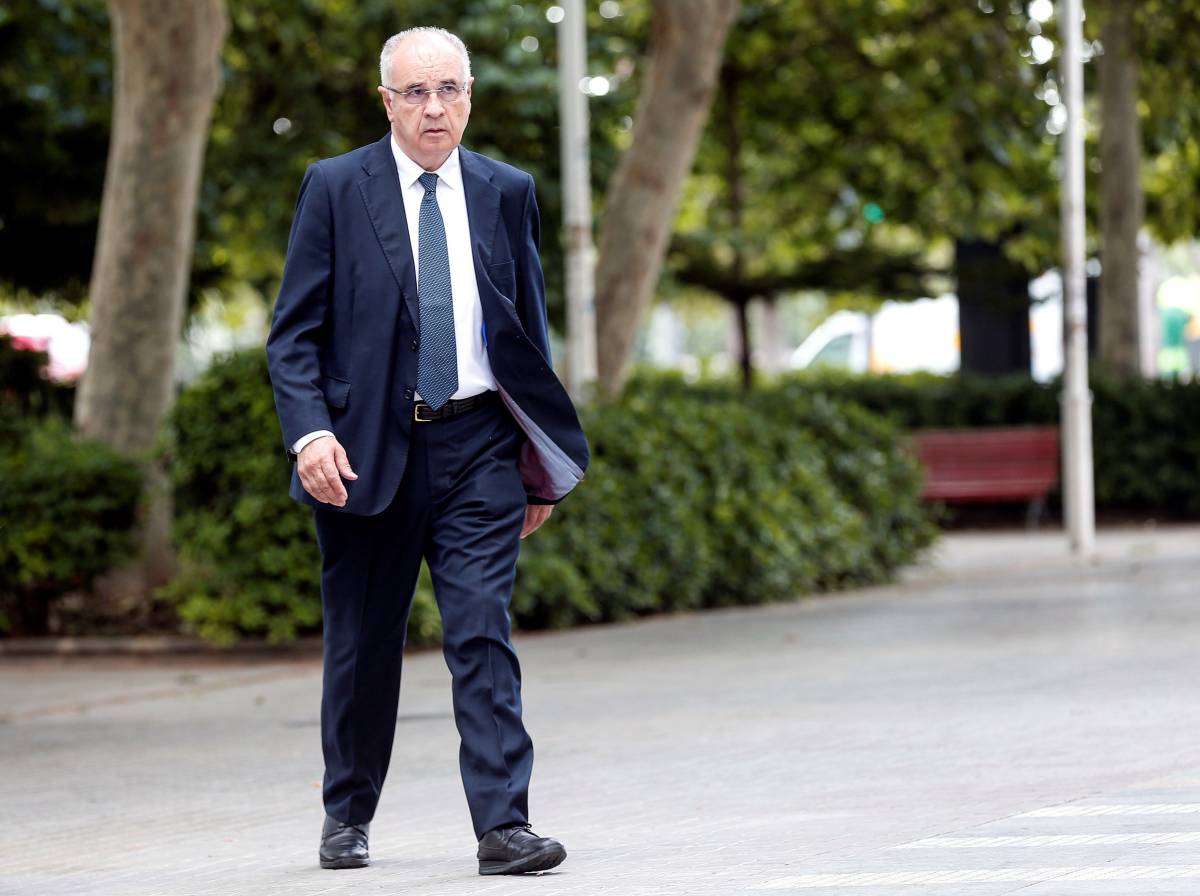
(543, 860)
(340, 864)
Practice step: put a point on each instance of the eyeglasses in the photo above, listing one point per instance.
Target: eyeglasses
(415, 96)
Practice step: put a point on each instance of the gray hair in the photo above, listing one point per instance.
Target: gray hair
(390, 45)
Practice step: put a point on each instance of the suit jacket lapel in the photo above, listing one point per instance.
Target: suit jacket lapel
(381, 194)
(483, 207)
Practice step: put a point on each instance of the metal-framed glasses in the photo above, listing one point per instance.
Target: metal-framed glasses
(416, 96)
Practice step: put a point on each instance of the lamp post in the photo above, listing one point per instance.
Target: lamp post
(1078, 486)
(577, 202)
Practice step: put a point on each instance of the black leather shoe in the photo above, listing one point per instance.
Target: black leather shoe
(515, 849)
(344, 845)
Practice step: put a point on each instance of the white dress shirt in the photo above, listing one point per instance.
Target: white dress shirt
(474, 369)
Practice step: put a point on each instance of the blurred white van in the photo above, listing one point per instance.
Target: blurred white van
(921, 335)
(901, 337)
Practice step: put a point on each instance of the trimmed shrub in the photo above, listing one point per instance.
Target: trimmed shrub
(1146, 433)
(695, 498)
(26, 394)
(67, 508)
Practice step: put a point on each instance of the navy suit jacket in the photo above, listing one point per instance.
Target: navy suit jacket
(342, 347)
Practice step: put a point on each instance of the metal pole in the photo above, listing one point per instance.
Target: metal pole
(577, 202)
(1076, 398)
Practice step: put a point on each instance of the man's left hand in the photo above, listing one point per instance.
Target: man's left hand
(535, 515)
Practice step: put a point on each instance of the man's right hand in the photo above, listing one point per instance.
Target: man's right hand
(321, 464)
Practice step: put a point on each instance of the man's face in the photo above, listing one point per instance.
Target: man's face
(427, 133)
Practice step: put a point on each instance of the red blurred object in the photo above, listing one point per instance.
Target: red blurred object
(31, 343)
(66, 343)
(1001, 463)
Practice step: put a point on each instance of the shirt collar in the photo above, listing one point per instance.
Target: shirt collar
(449, 173)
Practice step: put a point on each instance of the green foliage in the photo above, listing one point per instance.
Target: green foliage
(852, 141)
(25, 392)
(298, 84)
(1146, 434)
(56, 104)
(927, 400)
(315, 65)
(862, 134)
(67, 508)
(1168, 42)
(1147, 441)
(849, 138)
(694, 498)
(26, 395)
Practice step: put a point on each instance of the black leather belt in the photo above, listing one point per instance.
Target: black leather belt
(423, 413)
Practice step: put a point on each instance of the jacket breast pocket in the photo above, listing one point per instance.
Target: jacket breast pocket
(336, 391)
(503, 275)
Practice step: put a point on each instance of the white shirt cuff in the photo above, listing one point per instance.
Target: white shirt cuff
(311, 437)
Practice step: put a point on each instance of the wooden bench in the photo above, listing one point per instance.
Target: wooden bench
(1000, 463)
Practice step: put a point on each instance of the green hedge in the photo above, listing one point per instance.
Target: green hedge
(693, 499)
(67, 508)
(1146, 433)
(25, 394)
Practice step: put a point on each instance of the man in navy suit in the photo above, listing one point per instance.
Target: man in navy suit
(411, 368)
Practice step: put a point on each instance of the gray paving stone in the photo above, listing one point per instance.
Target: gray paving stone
(729, 752)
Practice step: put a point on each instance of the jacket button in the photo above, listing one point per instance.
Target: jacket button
(408, 393)
(414, 345)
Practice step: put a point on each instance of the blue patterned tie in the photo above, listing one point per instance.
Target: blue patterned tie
(437, 359)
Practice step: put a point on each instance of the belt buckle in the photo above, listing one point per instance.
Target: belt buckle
(417, 418)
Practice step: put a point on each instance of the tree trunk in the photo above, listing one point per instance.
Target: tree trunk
(685, 56)
(166, 58)
(993, 309)
(1123, 206)
(730, 85)
(745, 349)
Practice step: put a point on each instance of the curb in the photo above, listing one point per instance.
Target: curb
(153, 645)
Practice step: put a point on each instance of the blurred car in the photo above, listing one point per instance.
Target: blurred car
(901, 337)
(66, 343)
(921, 335)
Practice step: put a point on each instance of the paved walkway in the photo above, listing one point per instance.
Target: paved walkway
(1002, 721)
